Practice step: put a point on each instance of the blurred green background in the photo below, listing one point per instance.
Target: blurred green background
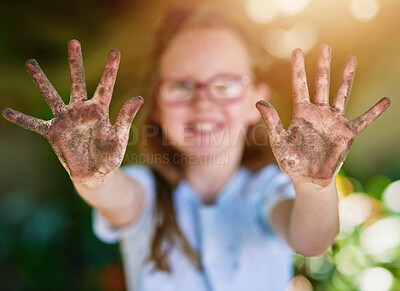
(46, 242)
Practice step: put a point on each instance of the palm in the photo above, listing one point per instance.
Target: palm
(319, 137)
(85, 141)
(312, 148)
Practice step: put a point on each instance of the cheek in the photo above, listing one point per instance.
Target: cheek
(171, 121)
(237, 119)
(240, 114)
(169, 117)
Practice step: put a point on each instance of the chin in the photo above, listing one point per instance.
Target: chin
(204, 156)
(201, 150)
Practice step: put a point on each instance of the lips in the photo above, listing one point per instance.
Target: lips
(203, 127)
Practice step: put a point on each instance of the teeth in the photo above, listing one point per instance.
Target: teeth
(203, 127)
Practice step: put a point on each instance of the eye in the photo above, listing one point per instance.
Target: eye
(226, 88)
(181, 86)
(177, 90)
(221, 84)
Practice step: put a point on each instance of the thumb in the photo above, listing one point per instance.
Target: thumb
(127, 113)
(271, 117)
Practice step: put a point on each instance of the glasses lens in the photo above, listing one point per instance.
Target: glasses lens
(177, 91)
(225, 88)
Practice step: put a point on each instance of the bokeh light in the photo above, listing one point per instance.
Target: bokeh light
(317, 267)
(340, 282)
(343, 186)
(363, 10)
(264, 11)
(46, 240)
(350, 260)
(354, 209)
(391, 196)
(381, 240)
(261, 11)
(291, 7)
(299, 283)
(376, 279)
(280, 42)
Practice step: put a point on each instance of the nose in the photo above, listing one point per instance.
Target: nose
(200, 98)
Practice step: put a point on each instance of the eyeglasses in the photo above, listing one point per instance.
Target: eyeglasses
(220, 89)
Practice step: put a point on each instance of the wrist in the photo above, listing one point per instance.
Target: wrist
(313, 183)
(302, 185)
(91, 183)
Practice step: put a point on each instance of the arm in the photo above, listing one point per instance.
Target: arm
(89, 147)
(311, 152)
(309, 223)
(120, 199)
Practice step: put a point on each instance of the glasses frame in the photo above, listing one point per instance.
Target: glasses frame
(245, 80)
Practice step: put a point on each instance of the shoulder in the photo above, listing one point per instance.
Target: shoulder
(266, 189)
(268, 177)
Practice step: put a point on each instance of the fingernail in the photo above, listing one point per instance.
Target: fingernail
(140, 98)
(263, 103)
(31, 64)
(74, 42)
(114, 54)
(387, 100)
(8, 113)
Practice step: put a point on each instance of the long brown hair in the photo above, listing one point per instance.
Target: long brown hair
(168, 171)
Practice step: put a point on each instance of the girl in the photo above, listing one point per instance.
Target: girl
(190, 221)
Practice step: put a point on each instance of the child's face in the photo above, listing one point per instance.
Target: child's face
(203, 126)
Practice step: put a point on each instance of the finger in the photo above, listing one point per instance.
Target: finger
(271, 118)
(127, 113)
(343, 93)
(77, 72)
(46, 89)
(28, 122)
(364, 120)
(322, 79)
(106, 86)
(299, 79)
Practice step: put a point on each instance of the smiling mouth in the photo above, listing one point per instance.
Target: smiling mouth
(204, 127)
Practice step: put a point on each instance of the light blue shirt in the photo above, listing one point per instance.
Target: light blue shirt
(238, 249)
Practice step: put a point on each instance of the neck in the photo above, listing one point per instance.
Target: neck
(209, 176)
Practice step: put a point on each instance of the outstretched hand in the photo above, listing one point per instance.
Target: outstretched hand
(319, 137)
(86, 143)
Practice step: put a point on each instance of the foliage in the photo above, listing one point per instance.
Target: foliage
(366, 253)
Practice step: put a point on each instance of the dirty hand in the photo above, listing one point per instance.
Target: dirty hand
(319, 137)
(86, 143)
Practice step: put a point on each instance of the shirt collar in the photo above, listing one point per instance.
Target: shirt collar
(230, 190)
